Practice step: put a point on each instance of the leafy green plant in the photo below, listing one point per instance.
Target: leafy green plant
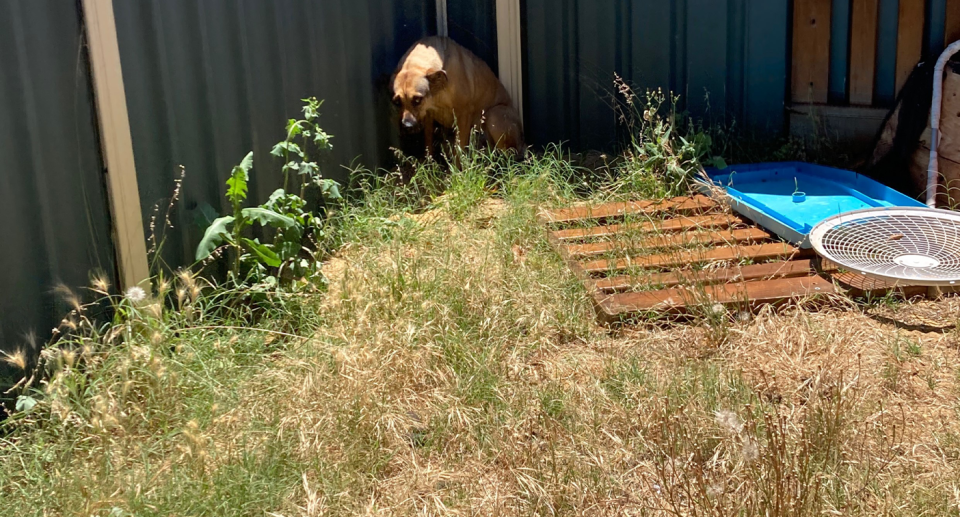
(295, 229)
(665, 149)
(296, 157)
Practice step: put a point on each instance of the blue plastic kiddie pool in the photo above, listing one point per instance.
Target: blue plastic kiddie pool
(790, 198)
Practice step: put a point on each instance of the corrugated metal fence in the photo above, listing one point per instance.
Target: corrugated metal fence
(208, 81)
(735, 50)
(52, 200)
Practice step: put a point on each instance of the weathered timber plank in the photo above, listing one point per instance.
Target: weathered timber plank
(677, 224)
(682, 205)
(909, 38)
(763, 291)
(684, 257)
(811, 51)
(863, 51)
(627, 244)
(767, 271)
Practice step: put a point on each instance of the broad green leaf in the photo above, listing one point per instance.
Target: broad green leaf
(275, 197)
(237, 184)
(264, 254)
(289, 250)
(237, 187)
(214, 236)
(293, 128)
(247, 163)
(322, 139)
(268, 217)
(309, 169)
(204, 215)
(283, 149)
(311, 108)
(294, 235)
(25, 403)
(329, 188)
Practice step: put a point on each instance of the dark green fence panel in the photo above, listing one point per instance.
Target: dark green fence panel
(52, 198)
(473, 24)
(209, 81)
(727, 58)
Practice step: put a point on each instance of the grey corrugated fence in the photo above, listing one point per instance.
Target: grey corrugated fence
(208, 81)
(56, 227)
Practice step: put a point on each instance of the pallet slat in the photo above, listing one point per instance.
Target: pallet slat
(677, 224)
(764, 291)
(768, 271)
(863, 51)
(680, 205)
(667, 241)
(664, 260)
(811, 50)
(860, 284)
(782, 271)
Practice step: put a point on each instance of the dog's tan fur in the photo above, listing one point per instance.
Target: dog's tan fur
(440, 81)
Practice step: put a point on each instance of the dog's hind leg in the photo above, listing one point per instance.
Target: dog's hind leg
(503, 129)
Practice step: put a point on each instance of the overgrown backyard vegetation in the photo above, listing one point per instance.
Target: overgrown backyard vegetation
(447, 362)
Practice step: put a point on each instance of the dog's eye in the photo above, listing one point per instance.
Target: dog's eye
(396, 101)
(417, 100)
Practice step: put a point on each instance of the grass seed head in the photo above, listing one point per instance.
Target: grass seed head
(100, 285)
(67, 295)
(17, 359)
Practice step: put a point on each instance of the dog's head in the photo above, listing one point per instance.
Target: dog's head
(414, 92)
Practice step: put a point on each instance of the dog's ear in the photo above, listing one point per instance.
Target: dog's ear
(438, 80)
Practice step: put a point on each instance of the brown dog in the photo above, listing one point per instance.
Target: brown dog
(440, 81)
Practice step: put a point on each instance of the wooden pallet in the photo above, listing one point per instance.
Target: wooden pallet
(668, 256)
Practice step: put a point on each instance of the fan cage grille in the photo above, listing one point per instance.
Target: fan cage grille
(912, 246)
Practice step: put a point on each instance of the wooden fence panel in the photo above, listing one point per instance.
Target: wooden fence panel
(863, 51)
(909, 39)
(952, 32)
(811, 50)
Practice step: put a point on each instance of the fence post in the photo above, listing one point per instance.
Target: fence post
(442, 26)
(509, 51)
(116, 142)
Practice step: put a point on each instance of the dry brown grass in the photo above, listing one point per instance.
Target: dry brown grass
(476, 389)
(455, 369)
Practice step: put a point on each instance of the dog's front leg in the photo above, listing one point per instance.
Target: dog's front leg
(428, 133)
(464, 128)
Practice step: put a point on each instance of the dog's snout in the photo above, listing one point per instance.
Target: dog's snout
(409, 121)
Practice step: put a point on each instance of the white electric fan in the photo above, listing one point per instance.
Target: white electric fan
(905, 245)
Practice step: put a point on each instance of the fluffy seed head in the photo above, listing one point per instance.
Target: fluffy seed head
(729, 420)
(136, 294)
